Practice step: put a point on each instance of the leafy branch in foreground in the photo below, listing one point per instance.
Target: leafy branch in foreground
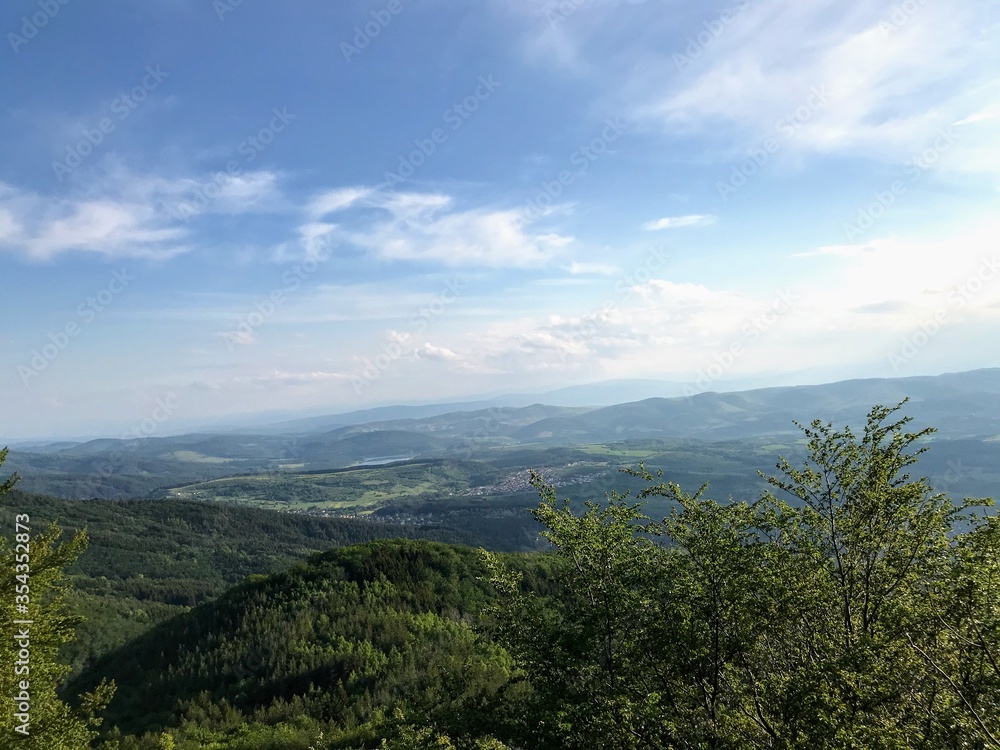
(862, 612)
(29, 649)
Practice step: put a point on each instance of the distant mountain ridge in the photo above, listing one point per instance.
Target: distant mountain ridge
(965, 402)
(960, 405)
(963, 405)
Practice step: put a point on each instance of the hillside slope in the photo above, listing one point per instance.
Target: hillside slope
(333, 644)
(960, 405)
(148, 561)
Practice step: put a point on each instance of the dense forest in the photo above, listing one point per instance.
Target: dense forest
(849, 606)
(148, 561)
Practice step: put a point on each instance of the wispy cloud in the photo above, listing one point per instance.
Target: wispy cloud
(677, 222)
(42, 227)
(440, 353)
(126, 215)
(891, 74)
(597, 269)
(919, 272)
(891, 82)
(842, 251)
(277, 379)
(332, 201)
(429, 227)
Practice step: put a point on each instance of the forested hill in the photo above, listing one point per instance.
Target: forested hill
(851, 606)
(148, 561)
(335, 644)
(964, 406)
(960, 405)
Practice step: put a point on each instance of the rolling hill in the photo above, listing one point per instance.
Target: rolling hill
(961, 405)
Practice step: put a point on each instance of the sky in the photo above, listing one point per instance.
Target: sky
(210, 209)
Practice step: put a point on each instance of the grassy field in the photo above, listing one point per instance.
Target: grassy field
(199, 458)
(589, 470)
(356, 490)
(500, 477)
(619, 450)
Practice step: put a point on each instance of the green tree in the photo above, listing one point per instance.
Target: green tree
(873, 542)
(646, 641)
(7, 484)
(31, 633)
(861, 613)
(959, 644)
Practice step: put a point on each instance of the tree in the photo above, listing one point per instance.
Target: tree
(861, 613)
(32, 628)
(8, 484)
(959, 644)
(645, 643)
(874, 543)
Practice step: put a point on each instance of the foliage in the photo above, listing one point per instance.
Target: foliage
(862, 615)
(335, 644)
(32, 629)
(849, 606)
(150, 560)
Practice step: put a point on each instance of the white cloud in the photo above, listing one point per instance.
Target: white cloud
(125, 215)
(339, 199)
(865, 299)
(659, 323)
(280, 379)
(427, 227)
(890, 82)
(977, 117)
(42, 227)
(252, 192)
(193, 195)
(891, 74)
(440, 353)
(921, 273)
(843, 251)
(677, 222)
(10, 227)
(597, 269)
(315, 240)
(240, 336)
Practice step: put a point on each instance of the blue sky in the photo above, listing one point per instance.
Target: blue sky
(239, 208)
